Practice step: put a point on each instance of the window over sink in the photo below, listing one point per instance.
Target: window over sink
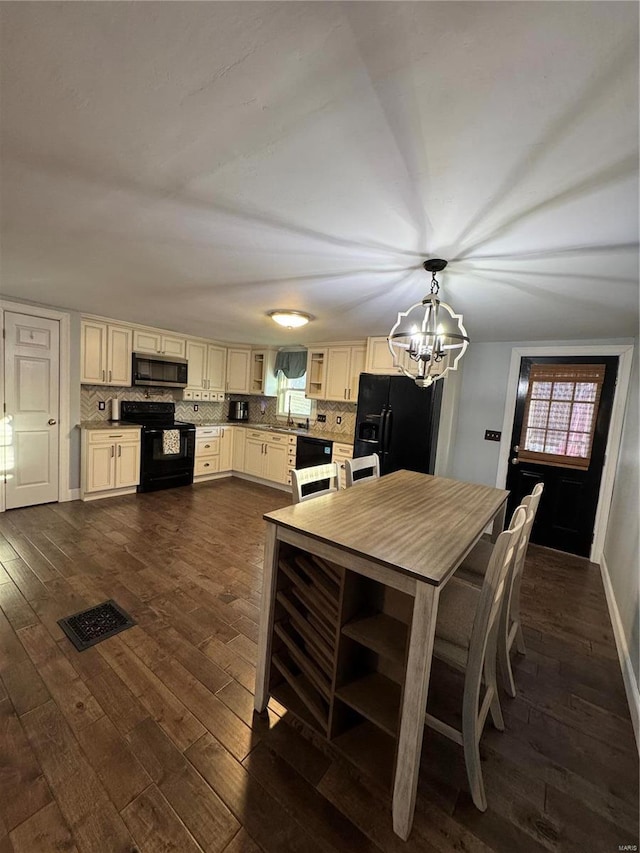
(291, 398)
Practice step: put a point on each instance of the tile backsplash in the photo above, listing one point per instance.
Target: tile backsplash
(262, 410)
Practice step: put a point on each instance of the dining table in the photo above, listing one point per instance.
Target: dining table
(326, 647)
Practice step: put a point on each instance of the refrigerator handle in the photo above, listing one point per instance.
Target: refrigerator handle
(386, 431)
(381, 437)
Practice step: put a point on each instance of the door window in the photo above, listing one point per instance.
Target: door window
(560, 414)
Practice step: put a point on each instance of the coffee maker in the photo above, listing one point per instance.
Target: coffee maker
(238, 410)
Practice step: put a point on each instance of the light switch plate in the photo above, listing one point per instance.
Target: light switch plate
(492, 435)
(322, 419)
(102, 406)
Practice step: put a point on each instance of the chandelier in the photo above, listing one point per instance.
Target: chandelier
(429, 339)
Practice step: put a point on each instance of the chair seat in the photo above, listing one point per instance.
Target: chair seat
(456, 612)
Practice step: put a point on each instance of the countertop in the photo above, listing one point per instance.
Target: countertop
(336, 437)
(108, 425)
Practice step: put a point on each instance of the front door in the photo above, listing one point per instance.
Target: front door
(559, 438)
(32, 357)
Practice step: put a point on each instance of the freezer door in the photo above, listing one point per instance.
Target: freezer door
(372, 404)
(410, 426)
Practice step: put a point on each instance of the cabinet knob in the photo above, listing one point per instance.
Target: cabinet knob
(52, 422)
(207, 445)
(206, 464)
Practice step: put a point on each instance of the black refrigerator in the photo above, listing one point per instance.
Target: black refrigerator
(398, 421)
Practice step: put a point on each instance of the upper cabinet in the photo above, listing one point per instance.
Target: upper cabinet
(344, 366)
(238, 370)
(263, 379)
(105, 354)
(316, 373)
(379, 358)
(333, 372)
(146, 340)
(206, 371)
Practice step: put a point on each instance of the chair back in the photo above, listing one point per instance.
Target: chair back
(362, 469)
(493, 589)
(307, 483)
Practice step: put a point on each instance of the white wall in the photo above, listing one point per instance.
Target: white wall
(621, 548)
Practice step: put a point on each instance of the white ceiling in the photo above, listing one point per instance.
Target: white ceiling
(194, 165)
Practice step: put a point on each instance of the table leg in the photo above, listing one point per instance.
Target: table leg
(498, 522)
(414, 706)
(267, 610)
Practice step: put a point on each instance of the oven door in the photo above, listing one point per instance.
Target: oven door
(160, 468)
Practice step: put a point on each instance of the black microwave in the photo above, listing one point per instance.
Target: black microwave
(159, 370)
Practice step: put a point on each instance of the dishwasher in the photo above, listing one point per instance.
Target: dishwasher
(312, 451)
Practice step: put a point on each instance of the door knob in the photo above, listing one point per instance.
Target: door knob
(516, 448)
(51, 422)
(515, 461)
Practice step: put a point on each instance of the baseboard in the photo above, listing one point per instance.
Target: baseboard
(273, 485)
(628, 675)
(72, 495)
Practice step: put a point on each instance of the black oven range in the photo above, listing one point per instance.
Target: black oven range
(168, 446)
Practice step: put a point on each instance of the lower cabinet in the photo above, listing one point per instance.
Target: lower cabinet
(340, 453)
(214, 451)
(268, 456)
(110, 462)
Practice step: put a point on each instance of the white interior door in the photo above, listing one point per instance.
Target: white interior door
(32, 359)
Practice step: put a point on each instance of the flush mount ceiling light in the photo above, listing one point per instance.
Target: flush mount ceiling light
(429, 339)
(290, 319)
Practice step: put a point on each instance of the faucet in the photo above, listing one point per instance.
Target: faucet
(289, 418)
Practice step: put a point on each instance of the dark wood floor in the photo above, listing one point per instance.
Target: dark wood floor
(147, 742)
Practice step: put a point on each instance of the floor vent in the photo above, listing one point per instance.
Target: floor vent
(89, 627)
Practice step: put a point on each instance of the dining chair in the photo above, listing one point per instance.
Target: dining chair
(307, 483)
(362, 469)
(473, 569)
(465, 639)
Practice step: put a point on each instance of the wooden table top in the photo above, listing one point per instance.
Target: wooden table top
(416, 523)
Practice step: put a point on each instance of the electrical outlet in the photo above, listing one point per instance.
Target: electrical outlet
(322, 419)
(338, 420)
(492, 435)
(195, 407)
(102, 406)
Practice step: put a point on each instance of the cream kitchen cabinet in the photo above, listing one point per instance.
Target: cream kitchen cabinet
(263, 379)
(239, 442)
(148, 340)
(110, 462)
(342, 452)
(316, 373)
(379, 358)
(344, 366)
(214, 451)
(206, 371)
(267, 455)
(238, 370)
(105, 354)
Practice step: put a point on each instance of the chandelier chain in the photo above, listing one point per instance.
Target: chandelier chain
(435, 286)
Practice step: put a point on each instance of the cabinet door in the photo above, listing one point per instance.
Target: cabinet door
(94, 353)
(144, 341)
(100, 473)
(276, 467)
(127, 464)
(254, 457)
(226, 449)
(197, 363)
(173, 346)
(379, 358)
(356, 367)
(239, 437)
(338, 375)
(119, 356)
(216, 368)
(238, 368)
